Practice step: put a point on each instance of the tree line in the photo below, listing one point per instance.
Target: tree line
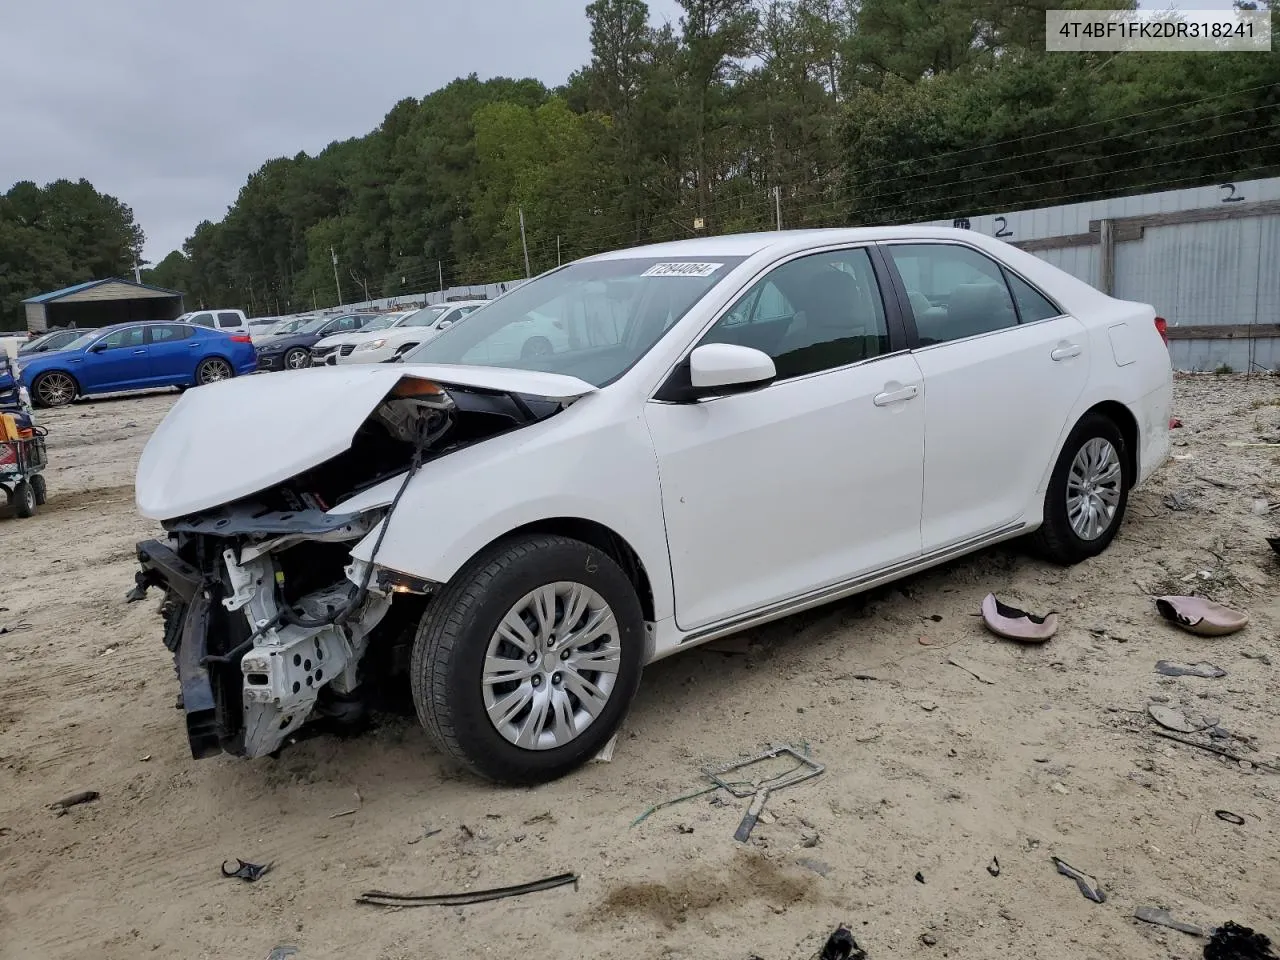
(58, 235)
(829, 112)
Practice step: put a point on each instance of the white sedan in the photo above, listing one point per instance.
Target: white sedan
(729, 430)
(327, 350)
(419, 327)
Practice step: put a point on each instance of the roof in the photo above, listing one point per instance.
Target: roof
(747, 244)
(56, 295)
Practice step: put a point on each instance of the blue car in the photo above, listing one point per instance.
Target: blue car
(136, 356)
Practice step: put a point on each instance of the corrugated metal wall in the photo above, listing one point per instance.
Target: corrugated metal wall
(1219, 272)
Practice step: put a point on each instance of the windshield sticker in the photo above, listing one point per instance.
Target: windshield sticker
(682, 270)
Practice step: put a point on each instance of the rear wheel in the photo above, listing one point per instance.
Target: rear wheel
(526, 663)
(53, 389)
(24, 500)
(213, 369)
(1088, 492)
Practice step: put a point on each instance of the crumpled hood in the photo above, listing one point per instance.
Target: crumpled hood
(227, 440)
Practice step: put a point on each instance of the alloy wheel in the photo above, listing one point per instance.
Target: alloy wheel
(211, 371)
(55, 389)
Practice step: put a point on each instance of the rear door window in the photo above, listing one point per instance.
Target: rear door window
(228, 319)
(169, 332)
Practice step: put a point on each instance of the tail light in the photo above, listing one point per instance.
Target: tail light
(245, 338)
(1162, 328)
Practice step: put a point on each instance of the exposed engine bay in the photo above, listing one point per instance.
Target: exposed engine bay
(270, 620)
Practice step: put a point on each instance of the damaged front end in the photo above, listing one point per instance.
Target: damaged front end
(270, 620)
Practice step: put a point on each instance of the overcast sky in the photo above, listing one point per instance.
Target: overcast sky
(170, 104)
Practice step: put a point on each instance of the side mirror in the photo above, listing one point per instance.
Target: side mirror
(716, 369)
(444, 324)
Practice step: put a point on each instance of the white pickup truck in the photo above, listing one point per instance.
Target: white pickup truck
(231, 321)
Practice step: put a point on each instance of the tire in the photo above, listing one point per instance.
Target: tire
(536, 347)
(454, 642)
(54, 389)
(296, 359)
(24, 500)
(213, 370)
(41, 490)
(1096, 439)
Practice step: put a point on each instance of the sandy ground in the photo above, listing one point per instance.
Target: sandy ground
(930, 772)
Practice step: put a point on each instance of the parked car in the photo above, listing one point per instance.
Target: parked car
(734, 429)
(291, 350)
(135, 356)
(45, 342)
(326, 351)
(228, 321)
(420, 327)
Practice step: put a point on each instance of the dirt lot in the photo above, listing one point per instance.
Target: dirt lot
(931, 772)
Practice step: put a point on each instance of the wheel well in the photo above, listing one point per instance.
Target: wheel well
(601, 537)
(1123, 418)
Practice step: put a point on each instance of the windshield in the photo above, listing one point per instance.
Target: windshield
(590, 320)
(82, 341)
(380, 323)
(424, 317)
(311, 325)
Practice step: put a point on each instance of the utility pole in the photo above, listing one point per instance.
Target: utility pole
(777, 202)
(558, 261)
(315, 304)
(524, 243)
(336, 282)
(440, 274)
(137, 271)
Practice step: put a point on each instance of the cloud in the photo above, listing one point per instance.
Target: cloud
(169, 106)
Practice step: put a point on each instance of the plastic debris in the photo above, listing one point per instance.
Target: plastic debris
(1229, 817)
(841, 946)
(1234, 942)
(245, 870)
(1200, 616)
(1162, 918)
(75, 799)
(1173, 668)
(380, 898)
(1172, 719)
(1014, 624)
(1089, 888)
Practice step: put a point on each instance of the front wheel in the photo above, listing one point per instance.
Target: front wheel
(526, 663)
(1088, 492)
(297, 358)
(53, 389)
(23, 500)
(38, 487)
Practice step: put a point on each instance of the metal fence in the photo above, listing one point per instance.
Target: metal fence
(1207, 258)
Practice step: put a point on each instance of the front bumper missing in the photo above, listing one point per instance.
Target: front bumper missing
(162, 567)
(247, 696)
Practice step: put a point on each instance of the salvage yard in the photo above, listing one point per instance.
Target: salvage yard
(947, 752)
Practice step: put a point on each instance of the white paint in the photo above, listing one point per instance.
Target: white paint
(733, 503)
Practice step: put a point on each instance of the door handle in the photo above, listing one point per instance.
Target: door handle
(136, 352)
(896, 396)
(1066, 351)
